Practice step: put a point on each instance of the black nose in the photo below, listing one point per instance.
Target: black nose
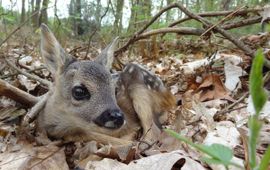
(112, 119)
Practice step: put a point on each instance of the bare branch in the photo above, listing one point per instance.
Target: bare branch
(16, 94)
(178, 30)
(242, 23)
(218, 13)
(220, 30)
(222, 20)
(134, 37)
(34, 77)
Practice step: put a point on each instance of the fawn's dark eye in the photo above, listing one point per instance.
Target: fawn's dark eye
(80, 93)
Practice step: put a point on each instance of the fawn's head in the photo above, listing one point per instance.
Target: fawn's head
(82, 97)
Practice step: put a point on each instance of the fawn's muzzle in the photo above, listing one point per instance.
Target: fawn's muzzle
(112, 119)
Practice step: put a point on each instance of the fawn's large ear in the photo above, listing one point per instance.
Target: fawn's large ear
(106, 57)
(53, 54)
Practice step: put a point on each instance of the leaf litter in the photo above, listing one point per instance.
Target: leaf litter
(204, 86)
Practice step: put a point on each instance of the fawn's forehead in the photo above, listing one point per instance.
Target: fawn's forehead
(91, 70)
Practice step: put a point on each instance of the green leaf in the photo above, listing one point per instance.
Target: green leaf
(220, 152)
(211, 160)
(254, 126)
(257, 91)
(265, 160)
(216, 151)
(259, 98)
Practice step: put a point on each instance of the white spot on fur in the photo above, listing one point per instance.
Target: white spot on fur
(130, 70)
(156, 84)
(150, 79)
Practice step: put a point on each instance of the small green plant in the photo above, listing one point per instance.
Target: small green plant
(259, 97)
(216, 153)
(220, 154)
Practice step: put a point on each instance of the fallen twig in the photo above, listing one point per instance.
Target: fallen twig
(217, 13)
(17, 95)
(242, 23)
(196, 31)
(34, 77)
(230, 107)
(220, 30)
(179, 30)
(221, 21)
(33, 113)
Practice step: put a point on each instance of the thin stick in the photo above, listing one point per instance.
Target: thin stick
(230, 107)
(178, 30)
(34, 77)
(17, 94)
(221, 21)
(206, 23)
(217, 13)
(133, 38)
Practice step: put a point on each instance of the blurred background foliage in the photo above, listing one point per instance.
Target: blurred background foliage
(99, 21)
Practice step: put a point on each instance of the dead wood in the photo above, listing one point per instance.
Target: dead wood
(222, 20)
(34, 77)
(197, 31)
(135, 36)
(220, 30)
(178, 30)
(17, 94)
(218, 13)
(242, 23)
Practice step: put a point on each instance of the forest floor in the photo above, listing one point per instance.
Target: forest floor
(209, 80)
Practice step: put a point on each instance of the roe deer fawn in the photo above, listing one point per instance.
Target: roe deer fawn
(82, 105)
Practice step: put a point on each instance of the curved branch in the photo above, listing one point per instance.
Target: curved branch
(34, 77)
(17, 94)
(220, 30)
(242, 23)
(218, 13)
(178, 30)
(133, 38)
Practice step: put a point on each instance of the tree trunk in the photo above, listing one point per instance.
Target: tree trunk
(226, 5)
(23, 11)
(169, 12)
(44, 15)
(147, 5)
(198, 6)
(78, 12)
(76, 16)
(132, 20)
(32, 6)
(36, 16)
(98, 15)
(118, 17)
(140, 14)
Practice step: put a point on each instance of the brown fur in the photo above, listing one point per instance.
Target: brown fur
(142, 97)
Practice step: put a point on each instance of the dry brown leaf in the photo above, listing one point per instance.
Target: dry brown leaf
(124, 153)
(84, 151)
(161, 161)
(44, 157)
(213, 88)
